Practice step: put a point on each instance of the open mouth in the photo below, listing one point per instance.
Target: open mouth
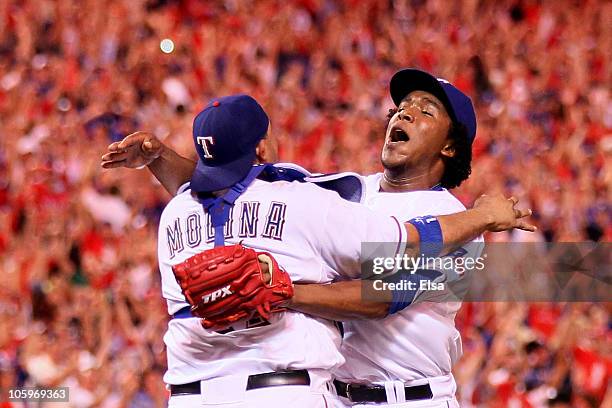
(398, 135)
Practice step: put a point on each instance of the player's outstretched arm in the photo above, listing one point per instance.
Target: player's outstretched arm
(341, 301)
(345, 300)
(494, 213)
(141, 149)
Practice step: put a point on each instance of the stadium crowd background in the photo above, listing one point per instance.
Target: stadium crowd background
(80, 300)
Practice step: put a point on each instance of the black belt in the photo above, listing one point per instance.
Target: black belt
(377, 393)
(273, 379)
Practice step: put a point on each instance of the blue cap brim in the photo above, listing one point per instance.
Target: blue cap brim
(207, 178)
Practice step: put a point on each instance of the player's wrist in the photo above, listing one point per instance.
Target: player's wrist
(297, 299)
(159, 155)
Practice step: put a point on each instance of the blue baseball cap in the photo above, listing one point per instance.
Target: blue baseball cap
(226, 133)
(458, 105)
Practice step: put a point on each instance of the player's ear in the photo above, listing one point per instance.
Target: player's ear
(449, 149)
(267, 149)
(261, 151)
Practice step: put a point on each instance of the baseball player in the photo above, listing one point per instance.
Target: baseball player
(405, 359)
(181, 365)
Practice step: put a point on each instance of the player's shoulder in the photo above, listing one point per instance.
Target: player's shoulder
(445, 201)
(295, 189)
(436, 201)
(372, 183)
(180, 204)
(373, 178)
(182, 196)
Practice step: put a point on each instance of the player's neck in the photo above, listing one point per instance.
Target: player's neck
(392, 182)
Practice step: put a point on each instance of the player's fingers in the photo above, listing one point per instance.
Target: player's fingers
(518, 213)
(152, 146)
(513, 200)
(126, 142)
(132, 139)
(114, 156)
(107, 156)
(113, 164)
(525, 226)
(113, 146)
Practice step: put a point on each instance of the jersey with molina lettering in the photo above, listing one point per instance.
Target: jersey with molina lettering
(313, 233)
(421, 340)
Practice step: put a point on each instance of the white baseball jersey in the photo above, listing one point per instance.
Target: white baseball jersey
(421, 340)
(314, 235)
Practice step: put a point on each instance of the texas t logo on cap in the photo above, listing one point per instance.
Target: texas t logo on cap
(226, 133)
(205, 142)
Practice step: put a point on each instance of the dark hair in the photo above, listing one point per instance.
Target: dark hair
(459, 167)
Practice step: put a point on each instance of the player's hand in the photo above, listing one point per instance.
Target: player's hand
(135, 150)
(501, 213)
(225, 284)
(265, 271)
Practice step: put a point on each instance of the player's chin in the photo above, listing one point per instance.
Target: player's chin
(391, 157)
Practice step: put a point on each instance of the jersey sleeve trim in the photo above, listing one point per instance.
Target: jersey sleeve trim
(402, 238)
(183, 188)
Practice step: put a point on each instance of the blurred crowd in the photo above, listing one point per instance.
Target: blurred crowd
(80, 299)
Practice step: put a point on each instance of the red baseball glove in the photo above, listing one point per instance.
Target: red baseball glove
(226, 284)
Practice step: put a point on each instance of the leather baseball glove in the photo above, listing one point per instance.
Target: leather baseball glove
(226, 284)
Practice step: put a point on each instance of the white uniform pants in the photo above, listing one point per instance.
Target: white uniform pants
(449, 403)
(230, 392)
(272, 397)
(443, 389)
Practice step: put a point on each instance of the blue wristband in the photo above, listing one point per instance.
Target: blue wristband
(430, 233)
(400, 299)
(404, 297)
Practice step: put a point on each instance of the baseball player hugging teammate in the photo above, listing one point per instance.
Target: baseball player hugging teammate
(230, 340)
